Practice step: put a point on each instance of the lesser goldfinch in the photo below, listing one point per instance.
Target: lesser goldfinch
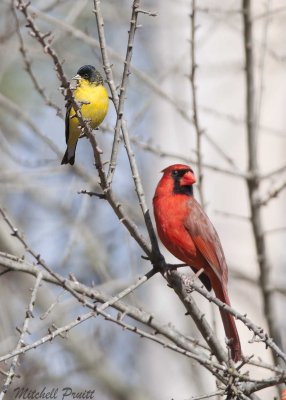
(87, 86)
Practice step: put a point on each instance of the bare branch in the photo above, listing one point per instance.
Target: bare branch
(273, 194)
(119, 100)
(177, 282)
(199, 131)
(12, 263)
(269, 342)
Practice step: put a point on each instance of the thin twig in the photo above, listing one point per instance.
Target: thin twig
(100, 310)
(174, 279)
(13, 263)
(198, 128)
(271, 174)
(209, 395)
(273, 194)
(166, 154)
(206, 362)
(262, 69)
(258, 331)
(210, 365)
(233, 119)
(95, 310)
(123, 90)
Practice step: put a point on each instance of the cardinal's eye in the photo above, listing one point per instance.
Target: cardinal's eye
(175, 173)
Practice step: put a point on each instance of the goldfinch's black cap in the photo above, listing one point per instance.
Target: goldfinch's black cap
(91, 74)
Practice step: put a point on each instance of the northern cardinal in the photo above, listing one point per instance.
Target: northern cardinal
(189, 235)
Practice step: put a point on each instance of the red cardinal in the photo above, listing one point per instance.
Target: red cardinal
(188, 234)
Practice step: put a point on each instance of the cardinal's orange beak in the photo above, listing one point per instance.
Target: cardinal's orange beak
(188, 179)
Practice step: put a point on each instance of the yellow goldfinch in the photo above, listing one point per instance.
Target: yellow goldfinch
(87, 88)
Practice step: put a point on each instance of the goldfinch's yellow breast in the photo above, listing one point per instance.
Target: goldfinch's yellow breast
(97, 98)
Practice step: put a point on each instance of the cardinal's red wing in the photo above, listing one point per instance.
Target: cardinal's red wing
(206, 239)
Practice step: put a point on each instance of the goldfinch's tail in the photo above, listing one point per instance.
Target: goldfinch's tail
(69, 156)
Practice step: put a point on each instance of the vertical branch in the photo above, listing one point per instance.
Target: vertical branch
(122, 94)
(198, 129)
(253, 180)
(262, 65)
(132, 161)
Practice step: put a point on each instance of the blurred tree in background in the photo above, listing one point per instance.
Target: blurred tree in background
(205, 86)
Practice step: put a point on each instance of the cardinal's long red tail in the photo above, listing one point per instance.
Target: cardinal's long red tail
(229, 324)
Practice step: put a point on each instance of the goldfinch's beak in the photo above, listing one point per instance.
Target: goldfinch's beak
(74, 82)
(76, 77)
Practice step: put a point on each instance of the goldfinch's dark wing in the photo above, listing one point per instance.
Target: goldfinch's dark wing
(67, 120)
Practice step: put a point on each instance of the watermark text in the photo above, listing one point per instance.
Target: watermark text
(66, 393)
